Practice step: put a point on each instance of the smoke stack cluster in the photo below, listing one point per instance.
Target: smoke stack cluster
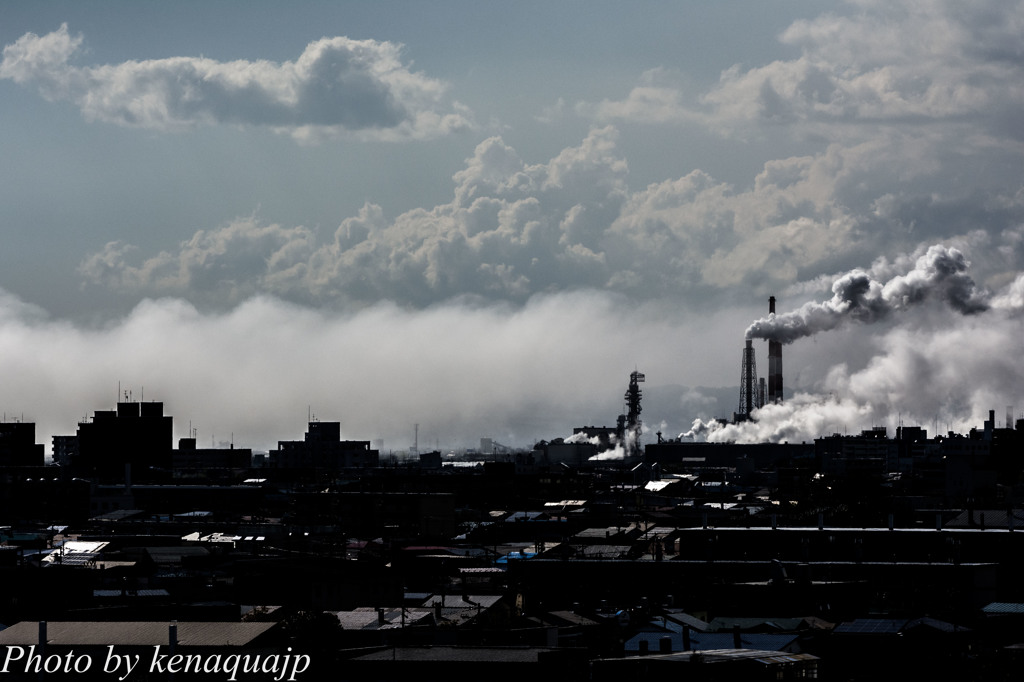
(774, 362)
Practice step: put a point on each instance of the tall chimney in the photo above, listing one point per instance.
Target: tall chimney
(748, 381)
(774, 363)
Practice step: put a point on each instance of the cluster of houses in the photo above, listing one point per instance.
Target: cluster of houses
(732, 562)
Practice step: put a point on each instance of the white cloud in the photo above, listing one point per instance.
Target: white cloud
(338, 86)
(516, 374)
(659, 98)
(223, 266)
(910, 66)
(513, 229)
(896, 63)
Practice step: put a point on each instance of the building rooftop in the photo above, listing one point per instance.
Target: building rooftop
(133, 633)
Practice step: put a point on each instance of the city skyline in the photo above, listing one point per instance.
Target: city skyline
(481, 218)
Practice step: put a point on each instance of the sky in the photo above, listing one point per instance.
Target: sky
(481, 217)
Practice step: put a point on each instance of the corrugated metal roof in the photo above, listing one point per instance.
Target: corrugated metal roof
(358, 620)
(457, 601)
(871, 626)
(723, 623)
(723, 655)
(133, 633)
(598, 533)
(684, 618)
(789, 658)
(130, 593)
(1003, 607)
(700, 641)
(934, 624)
(603, 551)
(467, 654)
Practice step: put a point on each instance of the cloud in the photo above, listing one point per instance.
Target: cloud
(515, 374)
(867, 184)
(659, 98)
(338, 86)
(222, 266)
(900, 64)
(513, 230)
(935, 67)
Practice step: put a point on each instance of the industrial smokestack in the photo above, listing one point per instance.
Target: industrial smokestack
(748, 381)
(774, 361)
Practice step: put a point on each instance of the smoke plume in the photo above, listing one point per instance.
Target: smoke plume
(859, 297)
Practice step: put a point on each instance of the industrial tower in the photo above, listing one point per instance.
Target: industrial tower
(774, 362)
(749, 398)
(631, 425)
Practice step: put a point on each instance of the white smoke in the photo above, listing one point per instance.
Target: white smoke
(616, 453)
(699, 429)
(858, 296)
(800, 419)
(581, 437)
(621, 448)
(942, 372)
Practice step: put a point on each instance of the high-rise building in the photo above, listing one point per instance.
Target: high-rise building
(18, 445)
(136, 434)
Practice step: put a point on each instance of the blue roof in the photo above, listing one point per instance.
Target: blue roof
(515, 555)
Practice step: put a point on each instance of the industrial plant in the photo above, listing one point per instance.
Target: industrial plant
(754, 394)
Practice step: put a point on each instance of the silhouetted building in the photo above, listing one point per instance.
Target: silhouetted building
(18, 445)
(188, 456)
(64, 450)
(323, 449)
(136, 434)
(865, 456)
